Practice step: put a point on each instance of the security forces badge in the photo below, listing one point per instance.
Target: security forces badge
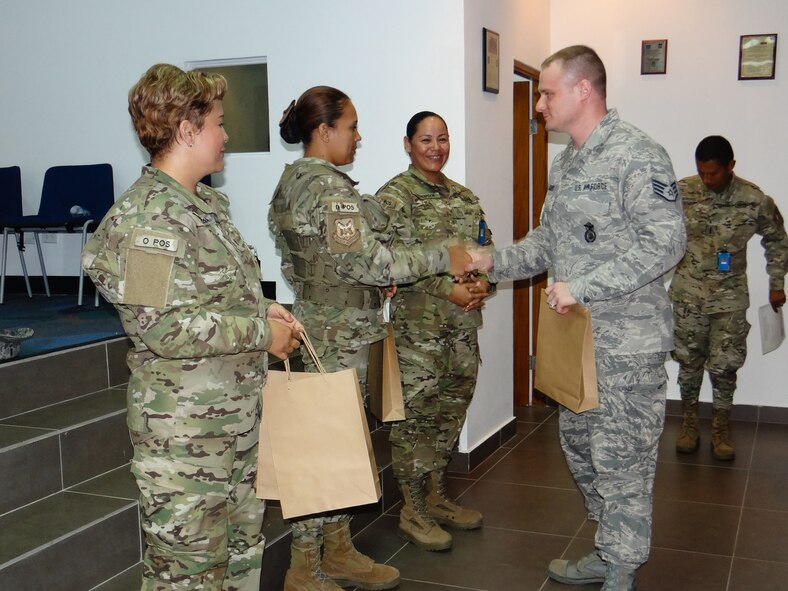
(665, 188)
(344, 227)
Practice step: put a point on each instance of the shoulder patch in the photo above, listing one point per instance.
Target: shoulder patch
(668, 191)
(344, 207)
(156, 242)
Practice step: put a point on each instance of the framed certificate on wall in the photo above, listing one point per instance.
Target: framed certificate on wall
(653, 56)
(491, 75)
(757, 54)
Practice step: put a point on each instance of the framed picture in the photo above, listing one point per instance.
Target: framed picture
(757, 54)
(653, 56)
(491, 76)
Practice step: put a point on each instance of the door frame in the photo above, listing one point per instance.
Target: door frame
(529, 189)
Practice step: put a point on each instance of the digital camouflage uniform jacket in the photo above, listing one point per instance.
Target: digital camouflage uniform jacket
(331, 257)
(187, 287)
(611, 227)
(420, 211)
(725, 222)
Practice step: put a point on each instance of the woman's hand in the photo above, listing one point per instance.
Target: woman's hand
(278, 312)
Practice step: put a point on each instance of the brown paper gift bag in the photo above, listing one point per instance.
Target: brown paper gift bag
(383, 380)
(565, 366)
(315, 451)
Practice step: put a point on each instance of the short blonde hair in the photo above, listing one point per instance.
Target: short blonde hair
(165, 96)
(580, 62)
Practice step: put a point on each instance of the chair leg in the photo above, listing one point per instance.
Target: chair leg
(20, 247)
(41, 262)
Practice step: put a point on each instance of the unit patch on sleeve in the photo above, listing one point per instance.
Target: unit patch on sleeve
(344, 233)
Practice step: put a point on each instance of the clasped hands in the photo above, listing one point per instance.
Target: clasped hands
(286, 331)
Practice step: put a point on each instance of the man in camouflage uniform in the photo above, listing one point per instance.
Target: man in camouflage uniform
(611, 227)
(435, 325)
(709, 289)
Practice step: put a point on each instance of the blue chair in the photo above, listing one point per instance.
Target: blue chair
(73, 199)
(10, 210)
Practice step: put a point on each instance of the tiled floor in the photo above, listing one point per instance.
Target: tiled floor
(718, 526)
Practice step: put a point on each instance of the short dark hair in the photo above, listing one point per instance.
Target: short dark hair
(582, 63)
(714, 148)
(319, 104)
(413, 124)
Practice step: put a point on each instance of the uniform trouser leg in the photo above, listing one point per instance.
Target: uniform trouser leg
(727, 353)
(691, 334)
(438, 371)
(333, 358)
(201, 519)
(612, 452)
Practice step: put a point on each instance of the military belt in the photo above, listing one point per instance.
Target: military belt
(363, 298)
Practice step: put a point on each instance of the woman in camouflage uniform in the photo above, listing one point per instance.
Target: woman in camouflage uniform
(187, 288)
(435, 324)
(333, 263)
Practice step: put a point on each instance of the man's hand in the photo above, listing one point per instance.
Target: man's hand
(459, 258)
(776, 298)
(481, 260)
(559, 298)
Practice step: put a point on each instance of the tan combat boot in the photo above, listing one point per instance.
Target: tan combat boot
(444, 509)
(689, 438)
(304, 573)
(350, 568)
(416, 524)
(721, 442)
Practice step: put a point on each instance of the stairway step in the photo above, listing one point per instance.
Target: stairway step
(128, 580)
(63, 445)
(68, 541)
(36, 382)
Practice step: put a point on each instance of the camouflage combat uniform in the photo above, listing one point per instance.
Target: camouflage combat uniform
(611, 227)
(332, 260)
(710, 306)
(187, 288)
(436, 339)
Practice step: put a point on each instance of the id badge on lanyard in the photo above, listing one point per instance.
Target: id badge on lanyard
(723, 261)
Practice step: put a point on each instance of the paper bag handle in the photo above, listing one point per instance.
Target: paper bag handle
(312, 353)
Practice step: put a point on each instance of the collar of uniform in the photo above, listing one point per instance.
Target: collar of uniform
(206, 200)
(602, 131)
(433, 189)
(311, 160)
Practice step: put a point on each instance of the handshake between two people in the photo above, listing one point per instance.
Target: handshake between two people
(468, 258)
(470, 289)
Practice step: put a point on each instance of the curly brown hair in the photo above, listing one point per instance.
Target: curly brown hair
(165, 96)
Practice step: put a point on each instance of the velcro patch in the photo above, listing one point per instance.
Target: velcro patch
(344, 233)
(156, 242)
(344, 207)
(668, 191)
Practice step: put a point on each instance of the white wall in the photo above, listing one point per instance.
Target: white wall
(65, 87)
(523, 29)
(699, 96)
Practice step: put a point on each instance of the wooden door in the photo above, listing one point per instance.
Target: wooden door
(530, 187)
